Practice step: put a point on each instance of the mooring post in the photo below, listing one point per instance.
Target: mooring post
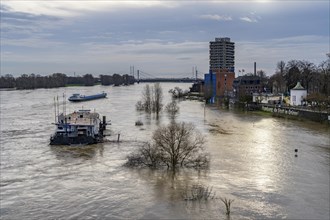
(118, 137)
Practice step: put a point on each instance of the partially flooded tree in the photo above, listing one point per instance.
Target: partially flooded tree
(179, 144)
(152, 99)
(176, 145)
(208, 93)
(172, 109)
(157, 102)
(177, 92)
(146, 98)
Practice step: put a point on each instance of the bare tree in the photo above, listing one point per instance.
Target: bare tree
(308, 71)
(157, 95)
(292, 74)
(175, 145)
(152, 99)
(280, 67)
(146, 98)
(263, 78)
(178, 144)
(324, 70)
(172, 109)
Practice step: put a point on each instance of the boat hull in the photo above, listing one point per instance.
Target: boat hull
(64, 140)
(87, 98)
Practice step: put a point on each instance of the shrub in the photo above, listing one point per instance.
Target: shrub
(198, 192)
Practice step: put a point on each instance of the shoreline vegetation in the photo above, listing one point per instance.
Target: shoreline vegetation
(57, 80)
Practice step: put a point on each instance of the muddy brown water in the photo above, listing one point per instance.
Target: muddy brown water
(252, 161)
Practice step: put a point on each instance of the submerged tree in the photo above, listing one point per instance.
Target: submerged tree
(172, 109)
(227, 203)
(146, 98)
(152, 99)
(157, 102)
(177, 92)
(173, 146)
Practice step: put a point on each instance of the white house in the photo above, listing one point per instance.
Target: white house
(298, 93)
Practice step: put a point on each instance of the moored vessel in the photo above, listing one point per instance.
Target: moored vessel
(79, 127)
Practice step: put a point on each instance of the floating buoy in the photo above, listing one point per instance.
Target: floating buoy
(296, 150)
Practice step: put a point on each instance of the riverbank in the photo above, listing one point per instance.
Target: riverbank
(297, 113)
(290, 113)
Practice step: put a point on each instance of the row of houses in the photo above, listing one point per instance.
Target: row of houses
(222, 85)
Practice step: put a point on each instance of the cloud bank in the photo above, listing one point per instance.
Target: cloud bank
(159, 37)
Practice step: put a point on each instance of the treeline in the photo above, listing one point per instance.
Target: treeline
(33, 81)
(314, 78)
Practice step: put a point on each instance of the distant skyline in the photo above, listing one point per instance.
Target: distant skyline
(161, 38)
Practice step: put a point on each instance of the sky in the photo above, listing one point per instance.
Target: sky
(159, 38)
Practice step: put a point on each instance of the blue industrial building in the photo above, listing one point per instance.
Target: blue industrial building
(210, 86)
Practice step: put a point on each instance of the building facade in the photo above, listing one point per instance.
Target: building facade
(210, 87)
(224, 83)
(222, 54)
(247, 85)
(297, 94)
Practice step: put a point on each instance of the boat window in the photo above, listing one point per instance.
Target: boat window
(81, 116)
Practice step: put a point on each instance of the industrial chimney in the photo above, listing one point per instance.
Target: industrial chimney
(255, 68)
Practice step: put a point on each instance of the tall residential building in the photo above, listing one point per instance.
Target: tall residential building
(222, 54)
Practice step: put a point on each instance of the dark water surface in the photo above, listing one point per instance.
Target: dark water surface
(252, 162)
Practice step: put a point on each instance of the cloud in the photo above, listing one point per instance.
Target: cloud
(102, 36)
(268, 52)
(77, 8)
(95, 57)
(251, 18)
(216, 17)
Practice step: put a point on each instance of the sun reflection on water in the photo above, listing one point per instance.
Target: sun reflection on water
(264, 166)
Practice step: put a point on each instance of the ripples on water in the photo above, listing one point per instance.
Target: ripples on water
(252, 162)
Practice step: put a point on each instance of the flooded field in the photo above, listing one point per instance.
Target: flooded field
(252, 161)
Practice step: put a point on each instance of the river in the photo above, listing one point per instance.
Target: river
(252, 161)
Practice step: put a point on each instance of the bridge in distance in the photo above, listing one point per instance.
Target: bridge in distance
(168, 80)
(146, 77)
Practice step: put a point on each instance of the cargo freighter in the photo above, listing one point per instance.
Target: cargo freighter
(80, 98)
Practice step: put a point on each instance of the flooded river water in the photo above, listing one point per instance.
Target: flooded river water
(252, 161)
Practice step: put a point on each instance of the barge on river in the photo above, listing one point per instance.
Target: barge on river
(80, 98)
(79, 127)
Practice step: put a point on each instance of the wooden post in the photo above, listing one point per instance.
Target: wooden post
(118, 137)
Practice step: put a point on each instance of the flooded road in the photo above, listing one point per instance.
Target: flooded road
(252, 161)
